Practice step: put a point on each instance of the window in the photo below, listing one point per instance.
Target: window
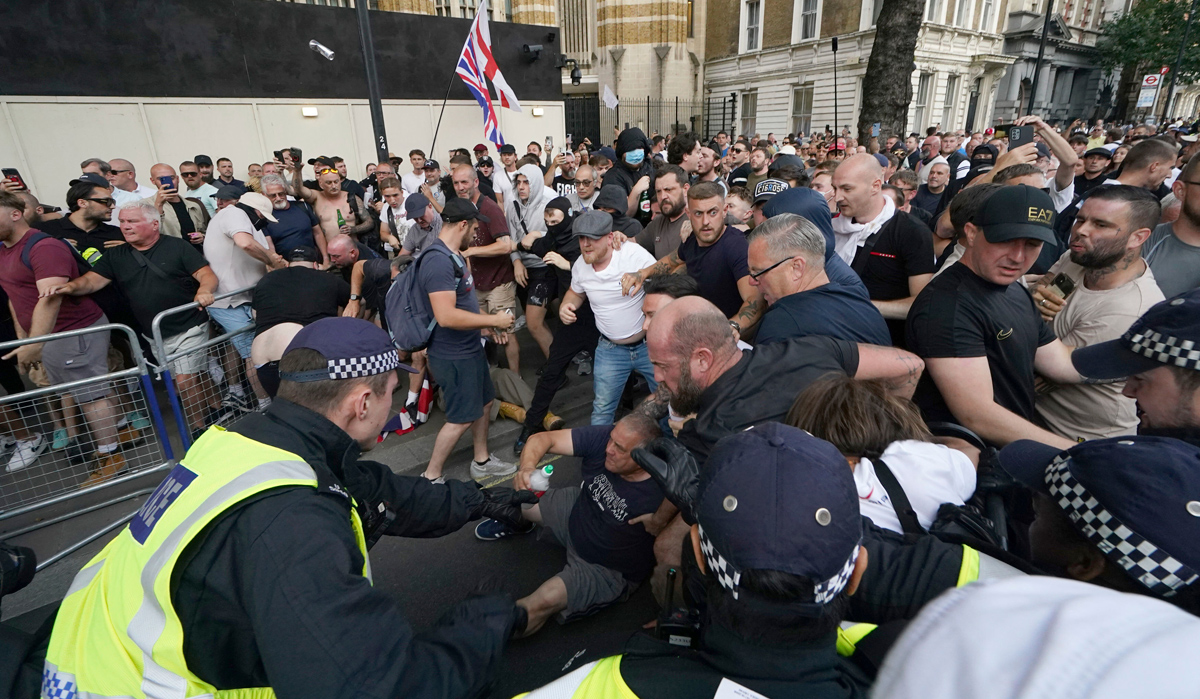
(876, 8)
(749, 111)
(933, 11)
(753, 23)
(985, 16)
(802, 100)
(466, 8)
(962, 13)
(951, 100)
(691, 32)
(808, 19)
(919, 115)
(443, 8)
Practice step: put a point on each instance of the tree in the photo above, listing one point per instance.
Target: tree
(887, 85)
(1147, 37)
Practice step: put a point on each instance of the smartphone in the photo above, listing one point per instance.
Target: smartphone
(549, 143)
(12, 175)
(1019, 136)
(168, 181)
(279, 155)
(875, 130)
(1062, 284)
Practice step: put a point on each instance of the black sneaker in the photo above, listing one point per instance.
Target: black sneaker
(494, 530)
(526, 433)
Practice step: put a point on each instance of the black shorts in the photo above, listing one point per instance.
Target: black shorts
(543, 286)
(466, 385)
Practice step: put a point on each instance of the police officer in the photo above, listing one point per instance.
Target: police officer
(247, 567)
(778, 537)
(1123, 513)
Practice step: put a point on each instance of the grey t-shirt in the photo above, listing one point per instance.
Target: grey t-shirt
(1176, 265)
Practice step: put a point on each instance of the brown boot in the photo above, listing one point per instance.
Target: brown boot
(108, 466)
(553, 422)
(512, 411)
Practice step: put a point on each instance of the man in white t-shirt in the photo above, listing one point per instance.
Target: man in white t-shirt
(411, 181)
(596, 277)
(239, 254)
(126, 190)
(1112, 288)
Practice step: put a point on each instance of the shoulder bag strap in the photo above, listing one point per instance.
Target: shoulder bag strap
(900, 503)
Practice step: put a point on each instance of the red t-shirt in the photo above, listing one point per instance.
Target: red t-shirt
(49, 258)
(491, 272)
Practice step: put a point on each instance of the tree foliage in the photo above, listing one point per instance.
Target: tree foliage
(1148, 36)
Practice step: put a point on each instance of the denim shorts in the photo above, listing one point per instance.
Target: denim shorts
(236, 318)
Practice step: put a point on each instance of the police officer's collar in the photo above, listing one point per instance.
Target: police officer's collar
(728, 654)
(325, 446)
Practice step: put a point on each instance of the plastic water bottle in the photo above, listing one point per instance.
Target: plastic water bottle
(540, 481)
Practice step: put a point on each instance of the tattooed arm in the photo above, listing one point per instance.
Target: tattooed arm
(753, 306)
(899, 369)
(670, 264)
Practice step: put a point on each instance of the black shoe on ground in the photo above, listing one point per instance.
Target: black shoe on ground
(526, 433)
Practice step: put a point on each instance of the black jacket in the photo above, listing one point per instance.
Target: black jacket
(655, 668)
(272, 594)
(611, 197)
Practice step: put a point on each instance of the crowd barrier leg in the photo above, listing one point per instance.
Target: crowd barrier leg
(46, 457)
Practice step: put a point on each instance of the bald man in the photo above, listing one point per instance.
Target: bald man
(181, 218)
(344, 251)
(123, 178)
(892, 251)
(692, 345)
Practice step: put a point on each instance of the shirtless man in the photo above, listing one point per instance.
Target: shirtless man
(329, 199)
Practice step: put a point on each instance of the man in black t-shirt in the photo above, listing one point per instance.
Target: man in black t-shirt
(154, 273)
(978, 331)
(890, 250)
(1095, 162)
(564, 182)
(609, 553)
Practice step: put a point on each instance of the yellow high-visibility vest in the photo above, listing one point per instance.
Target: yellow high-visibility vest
(117, 634)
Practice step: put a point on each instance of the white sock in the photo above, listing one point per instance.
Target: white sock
(263, 402)
(236, 389)
(107, 448)
(412, 397)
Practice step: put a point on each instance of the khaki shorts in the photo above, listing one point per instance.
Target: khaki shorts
(503, 297)
(188, 341)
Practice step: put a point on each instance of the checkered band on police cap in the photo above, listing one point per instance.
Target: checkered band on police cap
(730, 577)
(355, 367)
(1154, 568)
(1165, 349)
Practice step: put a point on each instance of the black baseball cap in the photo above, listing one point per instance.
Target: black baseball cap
(91, 178)
(459, 209)
(1136, 498)
(432, 165)
(202, 160)
(1017, 211)
(508, 148)
(1099, 150)
(230, 192)
(485, 161)
(1166, 335)
(304, 253)
(592, 224)
(774, 497)
(353, 348)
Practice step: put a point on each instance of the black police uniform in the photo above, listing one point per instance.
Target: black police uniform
(245, 594)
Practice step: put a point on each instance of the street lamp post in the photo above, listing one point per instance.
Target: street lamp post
(1037, 66)
(836, 127)
(373, 93)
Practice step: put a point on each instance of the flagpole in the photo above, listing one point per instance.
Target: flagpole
(437, 128)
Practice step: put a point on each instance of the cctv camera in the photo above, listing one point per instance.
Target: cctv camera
(576, 75)
(321, 49)
(531, 51)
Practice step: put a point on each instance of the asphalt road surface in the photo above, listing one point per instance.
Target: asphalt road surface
(425, 576)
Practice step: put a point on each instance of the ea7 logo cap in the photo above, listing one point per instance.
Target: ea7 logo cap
(1017, 211)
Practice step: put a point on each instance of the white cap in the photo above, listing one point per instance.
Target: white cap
(1042, 637)
(260, 203)
(787, 150)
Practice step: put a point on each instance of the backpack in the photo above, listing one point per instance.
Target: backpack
(409, 314)
(34, 237)
(954, 522)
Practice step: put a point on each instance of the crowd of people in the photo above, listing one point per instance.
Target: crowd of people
(832, 381)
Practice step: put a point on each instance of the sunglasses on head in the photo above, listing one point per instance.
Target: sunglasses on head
(325, 171)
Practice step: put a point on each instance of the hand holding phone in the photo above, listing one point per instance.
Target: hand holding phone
(12, 175)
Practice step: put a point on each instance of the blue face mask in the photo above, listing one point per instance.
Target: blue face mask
(635, 157)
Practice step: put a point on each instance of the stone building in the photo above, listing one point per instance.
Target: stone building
(776, 56)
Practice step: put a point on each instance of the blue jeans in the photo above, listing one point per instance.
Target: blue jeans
(614, 363)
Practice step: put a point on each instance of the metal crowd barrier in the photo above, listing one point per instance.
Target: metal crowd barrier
(206, 401)
(67, 464)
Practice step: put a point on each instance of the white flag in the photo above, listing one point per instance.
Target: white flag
(610, 100)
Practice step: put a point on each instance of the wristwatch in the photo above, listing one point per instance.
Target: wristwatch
(734, 324)
(354, 297)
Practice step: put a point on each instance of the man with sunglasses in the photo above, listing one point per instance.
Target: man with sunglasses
(587, 189)
(740, 162)
(90, 202)
(123, 179)
(330, 202)
(196, 187)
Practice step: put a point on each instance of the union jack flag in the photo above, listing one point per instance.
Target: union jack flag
(474, 63)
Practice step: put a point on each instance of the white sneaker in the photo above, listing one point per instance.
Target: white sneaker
(440, 480)
(492, 467)
(26, 453)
